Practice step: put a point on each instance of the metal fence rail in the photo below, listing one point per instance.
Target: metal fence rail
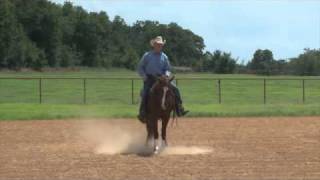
(222, 86)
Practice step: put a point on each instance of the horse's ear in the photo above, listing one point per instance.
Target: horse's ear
(171, 79)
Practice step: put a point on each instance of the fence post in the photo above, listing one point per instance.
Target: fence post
(40, 90)
(303, 92)
(219, 90)
(132, 89)
(264, 92)
(84, 90)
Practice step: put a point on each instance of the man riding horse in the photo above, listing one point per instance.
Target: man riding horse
(152, 64)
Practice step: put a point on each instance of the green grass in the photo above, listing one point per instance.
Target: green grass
(73, 111)
(63, 98)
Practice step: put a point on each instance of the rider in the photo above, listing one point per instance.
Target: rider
(155, 63)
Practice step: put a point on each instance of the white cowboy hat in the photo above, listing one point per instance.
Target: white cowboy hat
(157, 40)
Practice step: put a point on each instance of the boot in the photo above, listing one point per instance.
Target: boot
(142, 117)
(181, 111)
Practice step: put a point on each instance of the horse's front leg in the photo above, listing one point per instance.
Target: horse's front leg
(156, 137)
(165, 121)
(150, 134)
(153, 135)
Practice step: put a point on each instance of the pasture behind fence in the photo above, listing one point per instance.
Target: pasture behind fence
(127, 90)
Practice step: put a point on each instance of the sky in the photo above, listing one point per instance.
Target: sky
(240, 27)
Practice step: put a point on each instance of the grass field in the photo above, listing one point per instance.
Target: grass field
(64, 98)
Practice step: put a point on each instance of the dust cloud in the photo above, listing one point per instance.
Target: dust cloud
(185, 150)
(111, 138)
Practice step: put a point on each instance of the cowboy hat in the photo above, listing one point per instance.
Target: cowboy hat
(157, 40)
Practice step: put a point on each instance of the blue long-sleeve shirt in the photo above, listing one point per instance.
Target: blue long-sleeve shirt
(153, 63)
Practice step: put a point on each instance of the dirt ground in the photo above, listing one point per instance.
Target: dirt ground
(240, 148)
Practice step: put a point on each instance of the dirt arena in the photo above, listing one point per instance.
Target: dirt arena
(202, 148)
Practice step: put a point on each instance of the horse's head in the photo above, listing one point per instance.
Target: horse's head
(161, 82)
(161, 88)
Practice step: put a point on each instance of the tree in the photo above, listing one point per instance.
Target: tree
(224, 63)
(16, 49)
(262, 61)
(41, 33)
(307, 63)
(131, 59)
(218, 62)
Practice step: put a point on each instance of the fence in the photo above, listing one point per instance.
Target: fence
(127, 90)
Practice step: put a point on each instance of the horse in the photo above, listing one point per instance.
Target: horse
(160, 104)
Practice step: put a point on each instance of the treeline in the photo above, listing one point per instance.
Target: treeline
(307, 63)
(38, 33)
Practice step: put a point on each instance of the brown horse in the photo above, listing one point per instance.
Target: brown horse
(161, 102)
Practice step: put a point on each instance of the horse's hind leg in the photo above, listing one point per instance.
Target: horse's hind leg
(165, 121)
(156, 134)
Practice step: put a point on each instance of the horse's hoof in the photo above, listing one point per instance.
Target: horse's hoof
(156, 150)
